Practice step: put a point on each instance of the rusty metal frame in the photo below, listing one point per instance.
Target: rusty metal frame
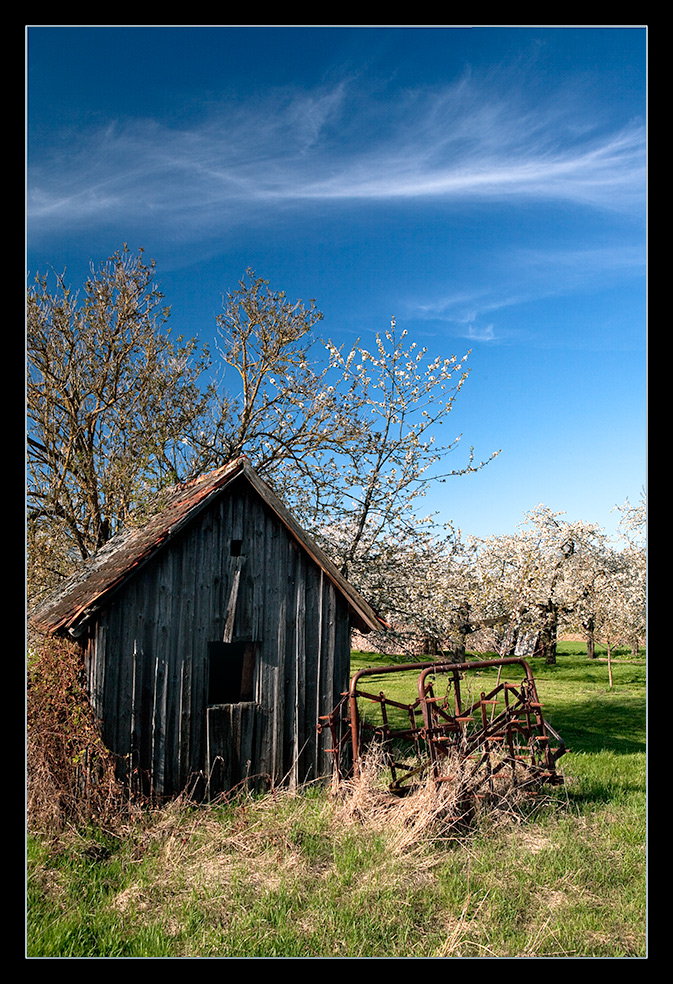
(502, 729)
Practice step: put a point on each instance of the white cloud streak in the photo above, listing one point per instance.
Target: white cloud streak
(334, 146)
(521, 276)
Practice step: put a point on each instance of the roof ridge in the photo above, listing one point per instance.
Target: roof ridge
(132, 546)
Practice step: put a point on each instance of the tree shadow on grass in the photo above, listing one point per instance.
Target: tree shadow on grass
(600, 734)
(593, 726)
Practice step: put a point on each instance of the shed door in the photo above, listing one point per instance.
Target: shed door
(230, 714)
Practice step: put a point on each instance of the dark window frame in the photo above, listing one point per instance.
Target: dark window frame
(231, 672)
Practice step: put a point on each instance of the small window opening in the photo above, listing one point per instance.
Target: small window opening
(231, 672)
(235, 548)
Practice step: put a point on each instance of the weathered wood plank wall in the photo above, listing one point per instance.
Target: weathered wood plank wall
(233, 575)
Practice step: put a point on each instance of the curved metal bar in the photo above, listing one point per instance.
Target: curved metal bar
(443, 667)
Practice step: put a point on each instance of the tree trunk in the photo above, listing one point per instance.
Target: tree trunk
(591, 645)
(511, 648)
(589, 625)
(547, 642)
(458, 653)
(463, 630)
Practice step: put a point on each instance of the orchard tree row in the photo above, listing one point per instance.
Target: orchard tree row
(508, 592)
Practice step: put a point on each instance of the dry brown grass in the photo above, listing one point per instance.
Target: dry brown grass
(435, 807)
(202, 852)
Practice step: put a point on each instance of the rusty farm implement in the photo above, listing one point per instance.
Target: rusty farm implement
(496, 733)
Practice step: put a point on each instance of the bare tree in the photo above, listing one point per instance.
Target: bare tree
(110, 401)
(280, 399)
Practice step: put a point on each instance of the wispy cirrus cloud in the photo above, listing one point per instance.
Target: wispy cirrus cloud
(336, 145)
(520, 276)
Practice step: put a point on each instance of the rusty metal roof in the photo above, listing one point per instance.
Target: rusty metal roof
(87, 589)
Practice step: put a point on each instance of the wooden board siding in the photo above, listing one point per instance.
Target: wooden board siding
(148, 661)
(230, 730)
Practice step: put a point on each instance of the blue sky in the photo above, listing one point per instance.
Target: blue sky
(484, 186)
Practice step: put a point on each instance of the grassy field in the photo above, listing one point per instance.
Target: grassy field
(312, 875)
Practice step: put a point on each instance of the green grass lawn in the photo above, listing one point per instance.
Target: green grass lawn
(305, 875)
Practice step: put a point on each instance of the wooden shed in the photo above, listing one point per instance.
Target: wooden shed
(216, 634)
